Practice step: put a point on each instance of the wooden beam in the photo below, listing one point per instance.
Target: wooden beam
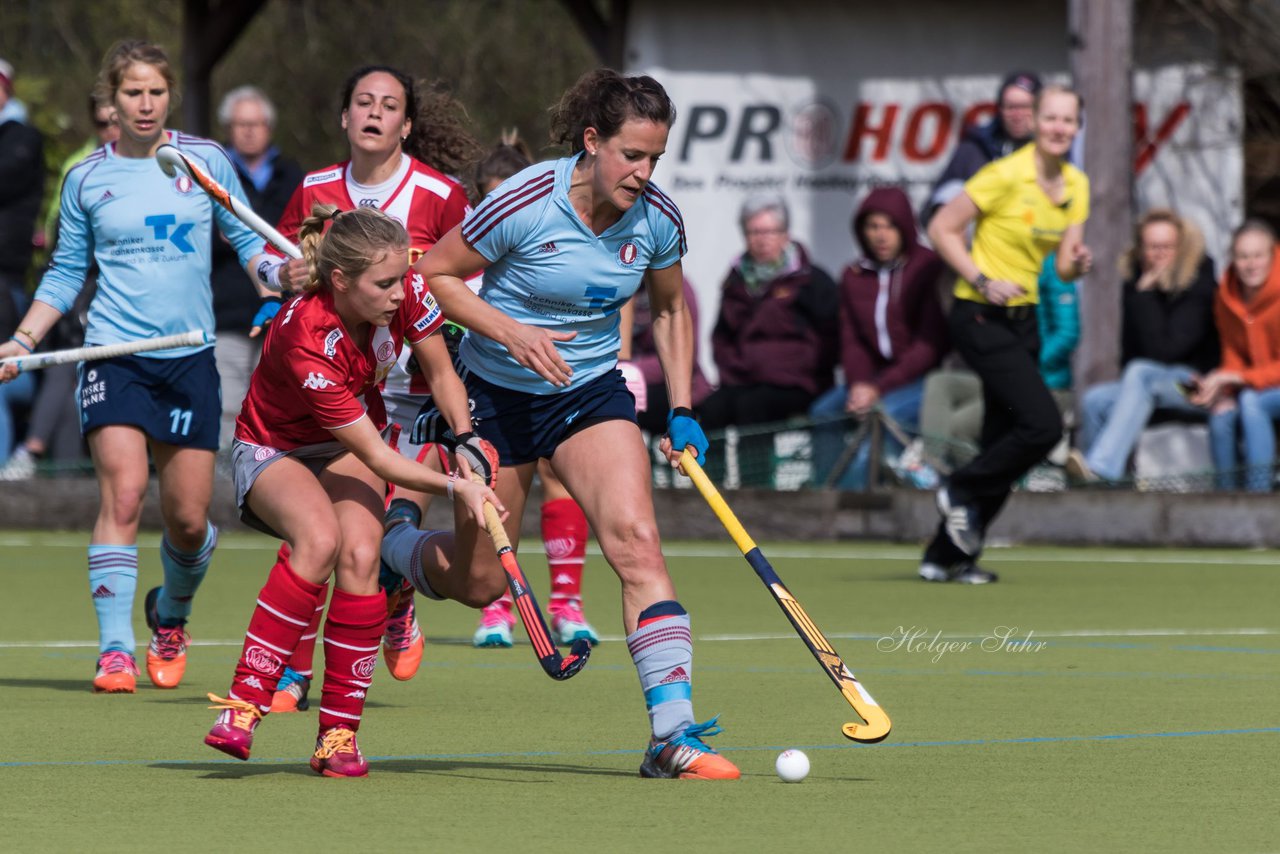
(1100, 53)
(209, 30)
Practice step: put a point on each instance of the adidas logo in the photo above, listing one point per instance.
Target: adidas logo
(106, 196)
(549, 246)
(677, 675)
(104, 592)
(316, 381)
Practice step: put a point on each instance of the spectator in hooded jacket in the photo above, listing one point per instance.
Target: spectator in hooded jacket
(1167, 337)
(1009, 130)
(776, 338)
(1243, 392)
(892, 331)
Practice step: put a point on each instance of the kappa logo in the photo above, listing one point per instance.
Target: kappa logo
(317, 381)
(356, 694)
(363, 669)
(677, 675)
(627, 253)
(331, 342)
(254, 682)
(104, 592)
(548, 247)
(262, 660)
(419, 288)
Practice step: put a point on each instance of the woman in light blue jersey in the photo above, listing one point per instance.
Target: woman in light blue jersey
(563, 246)
(151, 236)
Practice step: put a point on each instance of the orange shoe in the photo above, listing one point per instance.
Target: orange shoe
(337, 754)
(402, 643)
(117, 673)
(686, 756)
(167, 652)
(291, 693)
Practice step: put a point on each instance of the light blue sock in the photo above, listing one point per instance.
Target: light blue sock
(662, 649)
(183, 572)
(113, 580)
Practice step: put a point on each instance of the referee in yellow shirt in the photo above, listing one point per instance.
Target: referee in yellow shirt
(1023, 207)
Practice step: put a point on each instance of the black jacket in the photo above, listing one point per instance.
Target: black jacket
(235, 300)
(21, 191)
(1175, 329)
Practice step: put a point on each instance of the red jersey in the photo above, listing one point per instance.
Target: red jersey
(313, 379)
(427, 203)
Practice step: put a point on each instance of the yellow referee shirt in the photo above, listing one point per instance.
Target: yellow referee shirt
(1018, 225)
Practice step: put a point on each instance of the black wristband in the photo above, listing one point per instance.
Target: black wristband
(461, 438)
(678, 411)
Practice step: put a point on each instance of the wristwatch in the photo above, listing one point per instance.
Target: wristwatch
(980, 283)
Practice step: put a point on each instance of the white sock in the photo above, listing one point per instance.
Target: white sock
(402, 551)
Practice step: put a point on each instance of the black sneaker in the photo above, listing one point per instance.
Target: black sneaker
(964, 572)
(961, 523)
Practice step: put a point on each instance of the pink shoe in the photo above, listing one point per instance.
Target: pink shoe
(232, 732)
(337, 754)
(494, 630)
(569, 625)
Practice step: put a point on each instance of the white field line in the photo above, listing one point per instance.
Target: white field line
(793, 551)
(1070, 633)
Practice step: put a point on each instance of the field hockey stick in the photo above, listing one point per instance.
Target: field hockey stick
(173, 161)
(877, 724)
(557, 666)
(106, 351)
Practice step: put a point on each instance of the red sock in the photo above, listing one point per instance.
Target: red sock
(564, 536)
(306, 650)
(352, 636)
(285, 605)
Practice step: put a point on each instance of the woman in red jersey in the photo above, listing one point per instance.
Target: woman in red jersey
(311, 466)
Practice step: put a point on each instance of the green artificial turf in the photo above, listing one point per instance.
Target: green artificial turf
(1141, 715)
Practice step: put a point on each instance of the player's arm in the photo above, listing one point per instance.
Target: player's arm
(447, 391)
(447, 267)
(672, 332)
(363, 440)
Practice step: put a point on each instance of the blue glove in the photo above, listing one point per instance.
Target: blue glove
(266, 312)
(684, 431)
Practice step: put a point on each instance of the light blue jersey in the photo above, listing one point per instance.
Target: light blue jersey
(151, 237)
(549, 270)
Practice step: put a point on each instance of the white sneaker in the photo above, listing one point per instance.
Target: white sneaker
(20, 466)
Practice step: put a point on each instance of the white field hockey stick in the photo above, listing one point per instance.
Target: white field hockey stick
(106, 351)
(173, 161)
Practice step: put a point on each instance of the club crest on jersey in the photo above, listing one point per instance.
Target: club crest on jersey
(182, 184)
(386, 351)
(331, 342)
(627, 253)
(316, 381)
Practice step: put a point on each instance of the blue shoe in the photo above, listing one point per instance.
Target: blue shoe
(291, 693)
(686, 756)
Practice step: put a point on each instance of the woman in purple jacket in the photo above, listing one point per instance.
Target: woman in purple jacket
(892, 332)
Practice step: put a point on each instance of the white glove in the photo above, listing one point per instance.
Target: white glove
(634, 379)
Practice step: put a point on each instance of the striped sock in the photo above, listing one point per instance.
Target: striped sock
(113, 581)
(352, 636)
(564, 537)
(402, 553)
(285, 605)
(305, 652)
(183, 572)
(662, 649)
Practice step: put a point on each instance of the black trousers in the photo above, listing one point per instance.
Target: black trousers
(1021, 423)
(744, 406)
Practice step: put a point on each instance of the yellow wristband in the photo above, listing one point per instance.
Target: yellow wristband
(35, 342)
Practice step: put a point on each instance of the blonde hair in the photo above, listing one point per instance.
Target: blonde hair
(1058, 89)
(355, 241)
(1181, 274)
(123, 55)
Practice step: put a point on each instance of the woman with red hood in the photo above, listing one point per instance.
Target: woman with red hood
(892, 330)
(1243, 393)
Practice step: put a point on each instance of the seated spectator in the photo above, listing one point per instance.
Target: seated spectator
(269, 179)
(892, 332)
(1010, 129)
(1243, 392)
(1167, 337)
(644, 355)
(775, 340)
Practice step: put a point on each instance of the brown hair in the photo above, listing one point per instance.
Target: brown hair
(603, 99)
(118, 60)
(505, 159)
(355, 241)
(438, 135)
(1058, 89)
